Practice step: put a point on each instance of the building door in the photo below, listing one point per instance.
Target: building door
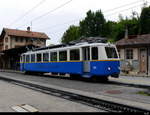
(143, 60)
(86, 59)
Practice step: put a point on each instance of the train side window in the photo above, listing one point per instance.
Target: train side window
(27, 58)
(21, 59)
(94, 53)
(63, 56)
(53, 56)
(74, 55)
(24, 58)
(39, 57)
(32, 57)
(45, 57)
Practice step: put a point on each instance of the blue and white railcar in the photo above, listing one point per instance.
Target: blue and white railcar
(86, 60)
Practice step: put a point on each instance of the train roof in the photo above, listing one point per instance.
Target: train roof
(62, 47)
(82, 42)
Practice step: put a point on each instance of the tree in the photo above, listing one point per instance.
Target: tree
(116, 30)
(110, 29)
(87, 25)
(71, 34)
(145, 21)
(93, 24)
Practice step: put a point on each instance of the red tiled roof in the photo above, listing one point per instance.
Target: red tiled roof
(22, 33)
(134, 40)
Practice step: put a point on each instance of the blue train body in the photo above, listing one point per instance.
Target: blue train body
(100, 60)
(97, 68)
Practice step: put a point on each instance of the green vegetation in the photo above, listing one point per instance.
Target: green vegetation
(73, 33)
(144, 93)
(95, 25)
(145, 21)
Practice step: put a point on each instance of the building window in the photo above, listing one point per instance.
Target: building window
(21, 39)
(16, 39)
(6, 47)
(6, 39)
(129, 54)
(27, 40)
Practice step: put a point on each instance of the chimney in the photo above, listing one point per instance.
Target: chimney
(126, 33)
(28, 29)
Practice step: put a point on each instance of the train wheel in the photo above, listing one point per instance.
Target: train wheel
(40, 73)
(99, 79)
(93, 79)
(104, 79)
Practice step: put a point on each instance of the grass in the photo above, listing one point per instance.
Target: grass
(144, 93)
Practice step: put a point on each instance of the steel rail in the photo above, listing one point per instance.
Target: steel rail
(109, 82)
(93, 102)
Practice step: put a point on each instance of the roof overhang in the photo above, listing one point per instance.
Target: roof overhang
(19, 50)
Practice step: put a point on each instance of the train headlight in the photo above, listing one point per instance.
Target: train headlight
(94, 67)
(109, 68)
(119, 68)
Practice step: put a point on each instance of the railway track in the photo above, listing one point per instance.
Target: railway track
(93, 102)
(109, 82)
(129, 85)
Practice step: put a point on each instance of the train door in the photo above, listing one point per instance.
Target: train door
(86, 59)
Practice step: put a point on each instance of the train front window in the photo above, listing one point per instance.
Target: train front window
(94, 53)
(111, 52)
(45, 57)
(74, 55)
(63, 56)
(39, 57)
(53, 56)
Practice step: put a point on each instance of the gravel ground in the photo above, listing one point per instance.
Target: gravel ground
(13, 95)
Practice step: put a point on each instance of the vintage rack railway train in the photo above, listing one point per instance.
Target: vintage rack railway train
(86, 60)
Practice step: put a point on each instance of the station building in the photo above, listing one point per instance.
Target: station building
(14, 42)
(134, 52)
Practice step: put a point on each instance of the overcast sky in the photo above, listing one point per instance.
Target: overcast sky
(53, 17)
